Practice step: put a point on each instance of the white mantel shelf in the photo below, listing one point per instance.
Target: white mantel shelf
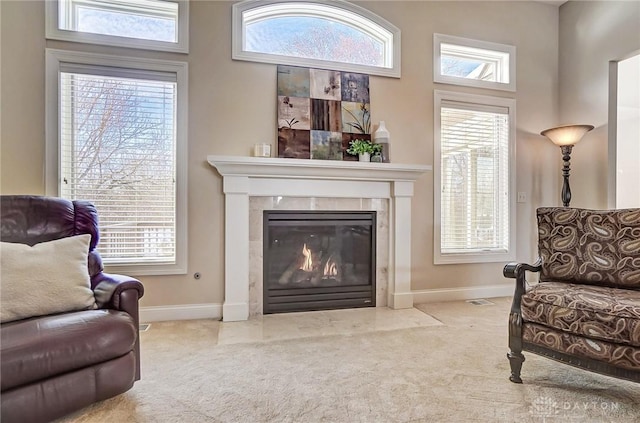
(245, 177)
(260, 167)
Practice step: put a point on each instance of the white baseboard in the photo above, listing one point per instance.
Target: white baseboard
(214, 310)
(180, 312)
(457, 294)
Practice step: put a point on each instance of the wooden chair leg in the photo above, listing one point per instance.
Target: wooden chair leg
(515, 361)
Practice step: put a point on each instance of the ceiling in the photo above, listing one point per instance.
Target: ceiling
(553, 2)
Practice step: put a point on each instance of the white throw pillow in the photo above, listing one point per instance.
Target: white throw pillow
(50, 277)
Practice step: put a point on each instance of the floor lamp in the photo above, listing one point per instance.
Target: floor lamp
(566, 137)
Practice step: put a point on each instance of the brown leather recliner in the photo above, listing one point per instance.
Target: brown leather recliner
(56, 364)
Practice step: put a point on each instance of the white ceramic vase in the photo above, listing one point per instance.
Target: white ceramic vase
(381, 136)
(364, 157)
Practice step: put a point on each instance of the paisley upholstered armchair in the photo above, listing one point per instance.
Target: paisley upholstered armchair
(585, 311)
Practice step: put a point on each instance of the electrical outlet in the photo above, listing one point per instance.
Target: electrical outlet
(522, 197)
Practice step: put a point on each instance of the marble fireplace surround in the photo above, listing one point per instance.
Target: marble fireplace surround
(384, 187)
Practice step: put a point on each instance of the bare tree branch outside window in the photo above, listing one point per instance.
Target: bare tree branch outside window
(120, 139)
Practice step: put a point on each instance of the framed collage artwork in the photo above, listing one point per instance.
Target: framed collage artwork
(320, 112)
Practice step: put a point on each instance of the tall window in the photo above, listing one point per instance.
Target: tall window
(147, 24)
(120, 146)
(316, 33)
(474, 151)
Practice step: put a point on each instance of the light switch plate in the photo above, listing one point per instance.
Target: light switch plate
(522, 197)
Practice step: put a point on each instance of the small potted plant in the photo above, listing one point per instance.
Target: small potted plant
(363, 149)
(376, 156)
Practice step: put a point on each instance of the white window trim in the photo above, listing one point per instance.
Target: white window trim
(484, 256)
(53, 32)
(53, 59)
(439, 39)
(392, 57)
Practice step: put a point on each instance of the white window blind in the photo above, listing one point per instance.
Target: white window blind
(474, 178)
(118, 150)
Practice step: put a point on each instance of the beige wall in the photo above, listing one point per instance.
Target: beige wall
(232, 106)
(591, 35)
(627, 139)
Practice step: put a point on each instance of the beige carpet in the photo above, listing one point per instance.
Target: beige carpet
(455, 372)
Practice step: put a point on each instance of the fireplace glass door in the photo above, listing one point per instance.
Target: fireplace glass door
(318, 260)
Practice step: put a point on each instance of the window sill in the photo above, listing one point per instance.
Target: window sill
(484, 257)
(139, 269)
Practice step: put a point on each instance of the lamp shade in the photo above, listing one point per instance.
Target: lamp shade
(567, 134)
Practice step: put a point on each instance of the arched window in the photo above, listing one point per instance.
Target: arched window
(332, 35)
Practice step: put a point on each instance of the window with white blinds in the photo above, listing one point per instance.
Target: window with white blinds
(118, 148)
(474, 146)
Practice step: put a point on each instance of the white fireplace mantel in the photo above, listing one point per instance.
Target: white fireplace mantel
(245, 177)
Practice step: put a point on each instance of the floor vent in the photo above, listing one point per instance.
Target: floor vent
(480, 302)
(144, 327)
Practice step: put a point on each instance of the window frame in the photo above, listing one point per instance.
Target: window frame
(393, 49)
(53, 180)
(54, 32)
(439, 39)
(472, 256)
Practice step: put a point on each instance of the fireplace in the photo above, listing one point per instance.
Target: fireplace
(318, 260)
(255, 183)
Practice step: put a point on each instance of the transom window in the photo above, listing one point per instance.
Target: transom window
(462, 61)
(314, 33)
(474, 149)
(148, 24)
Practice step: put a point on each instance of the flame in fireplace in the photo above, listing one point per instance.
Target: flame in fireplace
(330, 268)
(307, 265)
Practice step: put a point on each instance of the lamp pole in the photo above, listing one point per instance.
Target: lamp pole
(566, 189)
